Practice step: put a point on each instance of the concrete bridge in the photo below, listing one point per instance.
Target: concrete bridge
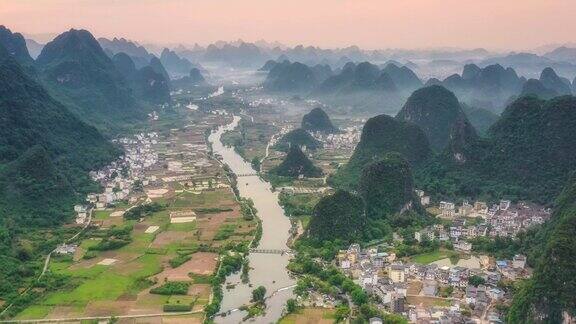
(270, 251)
(246, 175)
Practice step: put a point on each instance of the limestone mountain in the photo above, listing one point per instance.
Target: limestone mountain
(381, 135)
(195, 78)
(534, 146)
(297, 164)
(45, 151)
(527, 154)
(562, 53)
(137, 53)
(338, 216)
(156, 64)
(79, 73)
(489, 87)
(354, 78)
(322, 72)
(534, 87)
(174, 64)
(471, 71)
(268, 66)
(290, 77)
(363, 87)
(404, 78)
(387, 187)
(15, 45)
(436, 111)
(318, 121)
(552, 81)
(297, 137)
(480, 118)
(146, 83)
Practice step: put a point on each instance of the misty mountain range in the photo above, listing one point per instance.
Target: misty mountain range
(438, 63)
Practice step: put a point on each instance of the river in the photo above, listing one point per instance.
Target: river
(268, 270)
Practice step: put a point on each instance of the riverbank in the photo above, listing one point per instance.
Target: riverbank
(268, 270)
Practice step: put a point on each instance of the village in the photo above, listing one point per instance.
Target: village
(439, 291)
(504, 219)
(166, 214)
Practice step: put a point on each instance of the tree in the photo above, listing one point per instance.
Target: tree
(476, 281)
(359, 297)
(291, 305)
(342, 312)
(259, 294)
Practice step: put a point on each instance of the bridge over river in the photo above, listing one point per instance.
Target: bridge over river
(246, 175)
(271, 251)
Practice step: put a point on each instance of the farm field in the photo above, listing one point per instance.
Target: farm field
(126, 266)
(310, 316)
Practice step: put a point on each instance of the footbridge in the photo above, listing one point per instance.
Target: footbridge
(271, 251)
(247, 174)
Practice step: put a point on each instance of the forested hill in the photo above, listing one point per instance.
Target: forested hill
(381, 135)
(387, 187)
(146, 82)
(436, 111)
(549, 295)
(527, 154)
(296, 164)
(45, 151)
(80, 74)
(15, 45)
(318, 121)
(297, 137)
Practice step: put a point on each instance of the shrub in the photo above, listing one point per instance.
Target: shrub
(172, 288)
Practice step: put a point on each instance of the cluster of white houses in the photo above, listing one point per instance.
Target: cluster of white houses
(119, 177)
(345, 140)
(504, 219)
(382, 275)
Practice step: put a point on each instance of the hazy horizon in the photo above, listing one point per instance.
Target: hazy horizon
(369, 24)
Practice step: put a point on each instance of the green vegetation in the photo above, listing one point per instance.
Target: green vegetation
(247, 209)
(172, 288)
(476, 281)
(179, 260)
(290, 77)
(318, 121)
(82, 76)
(549, 295)
(177, 307)
(436, 111)
(291, 305)
(329, 280)
(387, 187)
(228, 264)
(296, 164)
(481, 119)
(258, 294)
(429, 257)
(298, 205)
(45, 152)
(297, 137)
(142, 211)
(113, 238)
(381, 135)
(340, 215)
(224, 232)
(527, 154)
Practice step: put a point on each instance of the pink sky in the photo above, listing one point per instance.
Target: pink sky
(493, 24)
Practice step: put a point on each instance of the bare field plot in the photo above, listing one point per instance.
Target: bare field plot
(202, 263)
